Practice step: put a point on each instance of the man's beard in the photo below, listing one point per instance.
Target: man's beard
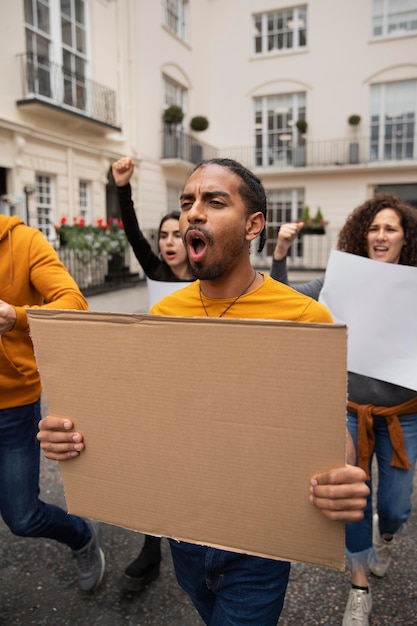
(218, 269)
(208, 273)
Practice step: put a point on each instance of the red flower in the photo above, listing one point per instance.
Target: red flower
(81, 222)
(63, 221)
(100, 223)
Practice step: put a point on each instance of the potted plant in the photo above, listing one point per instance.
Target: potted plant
(301, 126)
(173, 115)
(313, 225)
(173, 137)
(354, 121)
(198, 124)
(300, 148)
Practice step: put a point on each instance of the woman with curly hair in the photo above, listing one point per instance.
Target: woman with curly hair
(384, 228)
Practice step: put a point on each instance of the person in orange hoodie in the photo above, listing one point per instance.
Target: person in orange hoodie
(32, 276)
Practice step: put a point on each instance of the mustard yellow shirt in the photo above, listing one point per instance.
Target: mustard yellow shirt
(271, 300)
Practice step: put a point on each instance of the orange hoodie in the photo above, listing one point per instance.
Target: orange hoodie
(31, 276)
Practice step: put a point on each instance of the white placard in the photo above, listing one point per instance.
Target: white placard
(378, 303)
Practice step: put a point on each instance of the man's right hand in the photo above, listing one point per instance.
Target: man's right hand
(286, 235)
(58, 439)
(122, 171)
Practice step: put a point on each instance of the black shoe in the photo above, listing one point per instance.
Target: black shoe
(144, 569)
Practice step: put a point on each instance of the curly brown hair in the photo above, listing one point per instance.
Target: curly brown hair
(352, 237)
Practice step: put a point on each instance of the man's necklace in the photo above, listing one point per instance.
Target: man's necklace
(233, 301)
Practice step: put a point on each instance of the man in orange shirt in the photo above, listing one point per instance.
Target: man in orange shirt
(31, 275)
(223, 210)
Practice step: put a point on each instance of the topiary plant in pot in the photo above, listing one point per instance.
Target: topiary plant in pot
(354, 120)
(173, 115)
(199, 123)
(300, 148)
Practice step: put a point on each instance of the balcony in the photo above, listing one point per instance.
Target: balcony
(325, 154)
(178, 147)
(46, 85)
(332, 153)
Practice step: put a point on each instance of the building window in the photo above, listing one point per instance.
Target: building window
(284, 205)
(407, 192)
(74, 59)
(56, 38)
(280, 30)
(174, 93)
(38, 44)
(84, 201)
(175, 17)
(45, 206)
(393, 17)
(277, 139)
(393, 121)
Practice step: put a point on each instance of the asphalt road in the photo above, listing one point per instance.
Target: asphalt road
(38, 582)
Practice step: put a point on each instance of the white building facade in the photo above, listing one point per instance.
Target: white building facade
(87, 81)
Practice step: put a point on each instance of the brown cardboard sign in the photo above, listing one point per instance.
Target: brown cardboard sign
(203, 430)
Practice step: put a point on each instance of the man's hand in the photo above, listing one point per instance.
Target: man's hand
(340, 493)
(58, 439)
(287, 234)
(7, 317)
(122, 171)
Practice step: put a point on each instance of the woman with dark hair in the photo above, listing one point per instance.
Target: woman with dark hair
(170, 266)
(384, 228)
(172, 263)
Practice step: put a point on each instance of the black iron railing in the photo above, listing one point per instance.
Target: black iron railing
(335, 153)
(179, 145)
(97, 274)
(56, 85)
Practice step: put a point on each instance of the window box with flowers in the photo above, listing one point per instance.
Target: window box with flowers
(313, 225)
(94, 254)
(93, 241)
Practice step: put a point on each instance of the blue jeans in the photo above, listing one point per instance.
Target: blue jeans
(230, 589)
(20, 507)
(395, 487)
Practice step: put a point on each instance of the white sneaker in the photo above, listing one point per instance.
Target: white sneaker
(358, 607)
(383, 550)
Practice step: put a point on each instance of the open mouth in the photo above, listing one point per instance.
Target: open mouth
(196, 244)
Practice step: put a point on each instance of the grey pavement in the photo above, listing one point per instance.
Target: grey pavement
(38, 583)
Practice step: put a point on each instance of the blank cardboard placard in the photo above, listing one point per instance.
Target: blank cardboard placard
(202, 430)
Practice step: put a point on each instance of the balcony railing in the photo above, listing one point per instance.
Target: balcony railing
(56, 85)
(178, 145)
(326, 153)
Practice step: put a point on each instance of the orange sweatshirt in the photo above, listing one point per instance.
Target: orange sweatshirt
(31, 276)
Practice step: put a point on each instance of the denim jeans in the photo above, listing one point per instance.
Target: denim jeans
(395, 486)
(230, 589)
(22, 510)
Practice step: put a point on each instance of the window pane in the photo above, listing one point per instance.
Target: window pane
(79, 11)
(80, 36)
(66, 31)
(281, 30)
(28, 6)
(43, 17)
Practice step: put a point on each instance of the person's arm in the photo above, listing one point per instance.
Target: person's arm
(122, 172)
(279, 271)
(339, 493)
(49, 278)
